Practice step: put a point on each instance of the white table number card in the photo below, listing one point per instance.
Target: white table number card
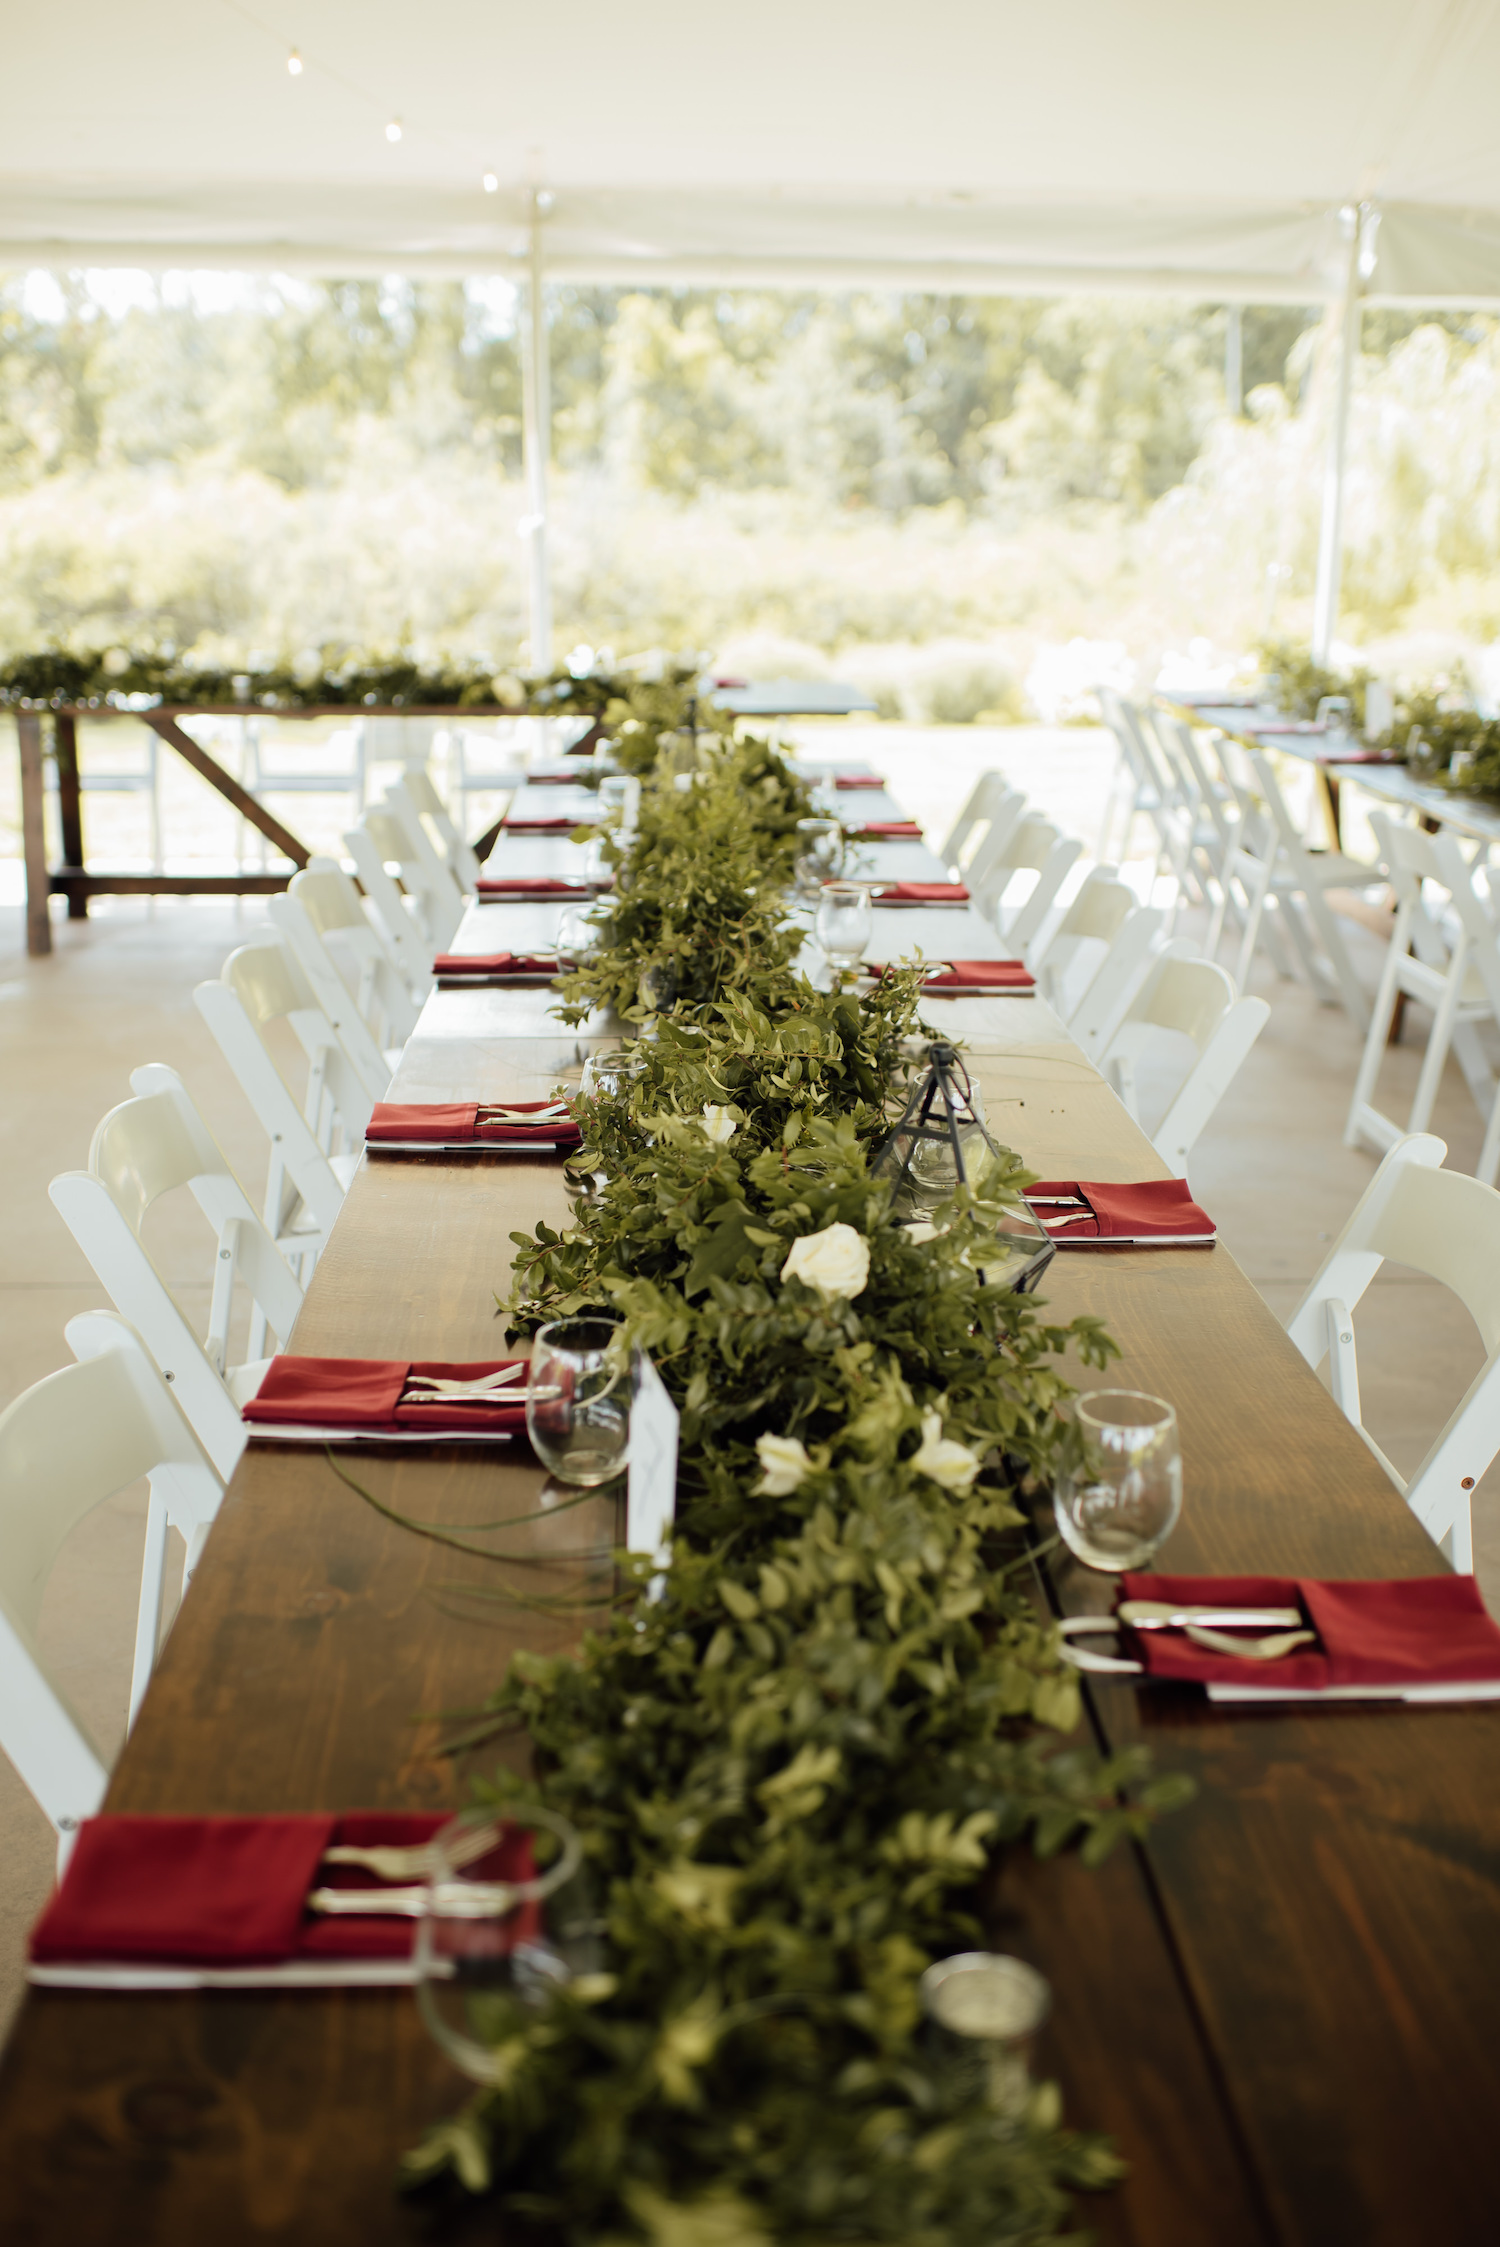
(651, 1491)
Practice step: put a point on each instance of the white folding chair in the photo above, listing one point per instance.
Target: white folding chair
(1446, 1225)
(147, 1147)
(1196, 999)
(436, 897)
(1036, 847)
(1443, 952)
(126, 780)
(1066, 957)
(294, 925)
(1006, 812)
(470, 766)
(984, 799)
(1147, 785)
(66, 1444)
(458, 856)
(308, 1177)
(302, 777)
(1275, 869)
(393, 908)
(360, 949)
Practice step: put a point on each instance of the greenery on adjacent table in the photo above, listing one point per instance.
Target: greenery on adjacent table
(793, 1766)
(1436, 729)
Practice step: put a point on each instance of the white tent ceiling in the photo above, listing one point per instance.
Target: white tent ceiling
(1193, 146)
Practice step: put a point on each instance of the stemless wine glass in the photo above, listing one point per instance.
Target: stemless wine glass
(577, 935)
(612, 1071)
(843, 922)
(820, 854)
(984, 2013)
(485, 1954)
(578, 1403)
(1121, 1500)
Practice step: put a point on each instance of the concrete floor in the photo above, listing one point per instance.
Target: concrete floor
(118, 992)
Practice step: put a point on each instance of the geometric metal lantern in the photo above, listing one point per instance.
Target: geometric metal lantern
(939, 1144)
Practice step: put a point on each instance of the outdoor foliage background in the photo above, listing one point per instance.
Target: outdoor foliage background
(933, 495)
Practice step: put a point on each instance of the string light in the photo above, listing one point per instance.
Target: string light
(491, 184)
(294, 64)
(393, 129)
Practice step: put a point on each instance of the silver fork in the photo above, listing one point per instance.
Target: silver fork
(445, 1386)
(414, 1860)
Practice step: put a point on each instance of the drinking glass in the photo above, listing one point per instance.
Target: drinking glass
(486, 1953)
(984, 2012)
(1122, 1497)
(843, 922)
(577, 935)
(820, 854)
(597, 870)
(614, 1071)
(657, 986)
(578, 1403)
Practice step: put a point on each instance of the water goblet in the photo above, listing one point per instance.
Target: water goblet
(843, 922)
(484, 1955)
(1120, 1499)
(578, 1404)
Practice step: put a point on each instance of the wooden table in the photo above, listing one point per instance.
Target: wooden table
(1285, 2007)
(74, 880)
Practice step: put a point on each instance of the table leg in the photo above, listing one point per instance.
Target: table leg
(34, 833)
(70, 805)
(1332, 808)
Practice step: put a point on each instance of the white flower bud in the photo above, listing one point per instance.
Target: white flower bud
(835, 1261)
(953, 1465)
(784, 1464)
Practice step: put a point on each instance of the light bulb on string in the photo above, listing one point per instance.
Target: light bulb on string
(393, 129)
(294, 64)
(491, 184)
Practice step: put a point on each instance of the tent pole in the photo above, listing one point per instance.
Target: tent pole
(1234, 360)
(536, 436)
(1331, 530)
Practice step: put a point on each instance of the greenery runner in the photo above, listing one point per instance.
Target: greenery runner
(793, 1768)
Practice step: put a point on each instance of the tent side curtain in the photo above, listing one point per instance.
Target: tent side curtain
(1266, 252)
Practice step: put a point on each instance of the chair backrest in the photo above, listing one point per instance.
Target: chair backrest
(337, 912)
(458, 855)
(66, 1445)
(270, 986)
(988, 790)
(293, 924)
(1098, 1012)
(435, 895)
(1035, 846)
(1006, 812)
(1066, 957)
(407, 937)
(1447, 1225)
(141, 1150)
(1196, 998)
(1413, 859)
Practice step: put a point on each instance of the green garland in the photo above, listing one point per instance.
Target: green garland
(791, 1769)
(1436, 730)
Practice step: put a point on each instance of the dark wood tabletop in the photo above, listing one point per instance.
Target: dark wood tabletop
(1285, 2007)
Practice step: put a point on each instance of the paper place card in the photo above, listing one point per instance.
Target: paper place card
(651, 1491)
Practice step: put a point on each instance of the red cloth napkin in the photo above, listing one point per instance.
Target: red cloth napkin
(891, 831)
(858, 780)
(366, 1393)
(440, 1122)
(964, 975)
(558, 779)
(230, 1891)
(1359, 757)
(920, 893)
(529, 885)
(497, 967)
(546, 823)
(1155, 1207)
(1421, 1630)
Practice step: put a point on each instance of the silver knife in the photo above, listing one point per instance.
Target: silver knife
(460, 1899)
(1157, 1615)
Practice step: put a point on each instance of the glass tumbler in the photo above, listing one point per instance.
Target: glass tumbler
(577, 936)
(612, 1071)
(984, 2012)
(578, 1404)
(843, 922)
(485, 1954)
(1120, 1501)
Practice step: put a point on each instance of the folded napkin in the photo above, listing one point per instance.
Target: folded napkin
(497, 967)
(565, 778)
(920, 893)
(445, 1123)
(1288, 725)
(1391, 1637)
(366, 1393)
(958, 976)
(529, 885)
(1159, 1209)
(1360, 757)
(546, 822)
(889, 830)
(857, 780)
(229, 1894)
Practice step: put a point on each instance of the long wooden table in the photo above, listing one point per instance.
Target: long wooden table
(1285, 2006)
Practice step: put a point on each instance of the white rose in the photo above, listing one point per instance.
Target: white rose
(835, 1261)
(719, 1125)
(953, 1465)
(785, 1464)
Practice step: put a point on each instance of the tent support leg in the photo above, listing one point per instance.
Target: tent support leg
(536, 409)
(1331, 530)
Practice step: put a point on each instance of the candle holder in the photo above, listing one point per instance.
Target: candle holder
(939, 1144)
